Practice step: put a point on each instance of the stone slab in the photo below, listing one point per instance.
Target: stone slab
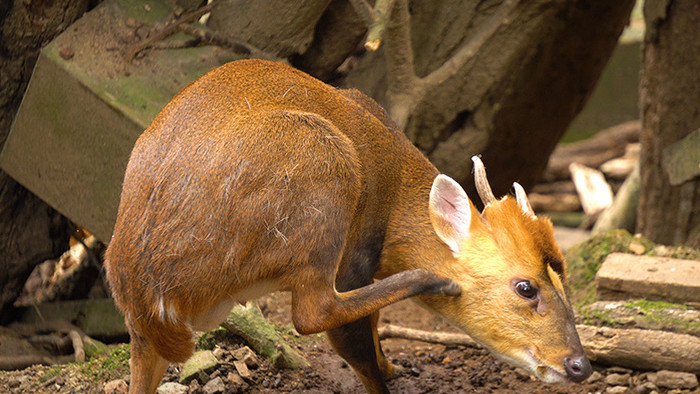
(626, 275)
(85, 107)
(98, 318)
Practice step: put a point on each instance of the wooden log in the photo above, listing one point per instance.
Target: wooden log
(249, 323)
(620, 168)
(605, 145)
(557, 202)
(554, 187)
(593, 190)
(623, 211)
(633, 348)
(641, 349)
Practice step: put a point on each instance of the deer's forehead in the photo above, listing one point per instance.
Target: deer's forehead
(522, 241)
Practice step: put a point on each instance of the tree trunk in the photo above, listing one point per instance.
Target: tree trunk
(30, 230)
(526, 70)
(669, 211)
(280, 27)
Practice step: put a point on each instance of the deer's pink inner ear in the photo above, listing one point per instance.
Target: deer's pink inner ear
(450, 211)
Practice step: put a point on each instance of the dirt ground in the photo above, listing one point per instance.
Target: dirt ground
(426, 368)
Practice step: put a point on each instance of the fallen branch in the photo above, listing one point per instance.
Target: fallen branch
(593, 152)
(641, 349)
(21, 361)
(443, 338)
(170, 28)
(634, 348)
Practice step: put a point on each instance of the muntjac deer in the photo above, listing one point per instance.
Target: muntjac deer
(258, 177)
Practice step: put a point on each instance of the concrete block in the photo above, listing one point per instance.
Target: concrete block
(656, 278)
(85, 107)
(98, 318)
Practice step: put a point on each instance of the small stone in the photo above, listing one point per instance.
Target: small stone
(66, 53)
(617, 369)
(171, 388)
(277, 381)
(194, 386)
(674, 380)
(236, 383)
(131, 22)
(218, 352)
(446, 360)
(616, 379)
(595, 376)
(637, 248)
(247, 356)
(616, 390)
(645, 388)
(242, 369)
(117, 386)
(13, 382)
(202, 361)
(214, 386)
(522, 374)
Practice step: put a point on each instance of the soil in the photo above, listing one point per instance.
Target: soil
(424, 368)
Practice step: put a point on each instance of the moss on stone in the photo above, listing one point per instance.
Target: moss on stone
(585, 259)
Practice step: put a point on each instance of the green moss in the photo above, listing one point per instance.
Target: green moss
(55, 371)
(209, 339)
(585, 259)
(596, 317)
(648, 306)
(113, 365)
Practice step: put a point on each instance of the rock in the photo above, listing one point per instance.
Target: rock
(595, 376)
(649, 278)
(202, 361)
(616, 379)
(194, 386)
(645, 388)
(247, 356)
(117, 386)
(218, 352)
(674, 380)
(242, 369)
(171, 388)
(214, 386)
(522, 374)
(13, 382)
(616, 390)
(236, 383)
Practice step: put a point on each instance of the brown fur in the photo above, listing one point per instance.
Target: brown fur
(257, 177)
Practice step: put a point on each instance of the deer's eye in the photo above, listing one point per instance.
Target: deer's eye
(525, 289)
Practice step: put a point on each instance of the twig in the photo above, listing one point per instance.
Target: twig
(216, 39)
(443, 338)
(170, 28)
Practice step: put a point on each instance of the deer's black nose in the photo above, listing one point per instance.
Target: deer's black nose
(578, 368)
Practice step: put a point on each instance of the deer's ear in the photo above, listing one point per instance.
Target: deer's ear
(450, 212)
